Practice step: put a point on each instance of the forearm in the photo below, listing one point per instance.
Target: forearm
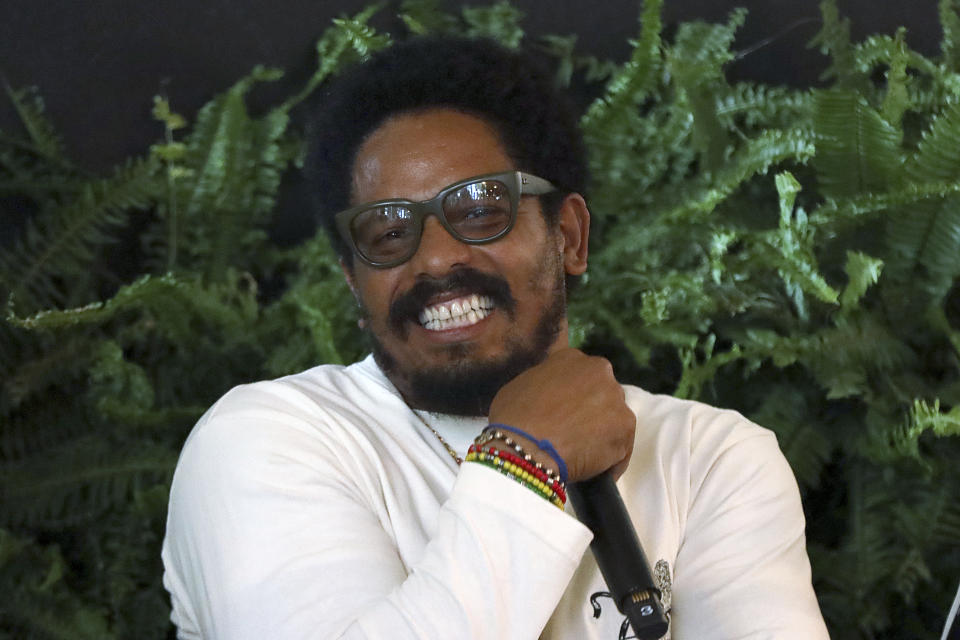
(494, 567)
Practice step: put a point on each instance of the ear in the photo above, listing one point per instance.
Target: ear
(348, 276)
(573, 222)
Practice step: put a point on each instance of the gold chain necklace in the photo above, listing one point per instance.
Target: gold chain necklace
(446, 445)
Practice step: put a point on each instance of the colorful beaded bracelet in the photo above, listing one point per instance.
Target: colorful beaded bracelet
(490, 434)
(517, 474)
(539, 473)
(545, 445)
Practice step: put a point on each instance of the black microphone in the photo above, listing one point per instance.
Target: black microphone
(619, 555)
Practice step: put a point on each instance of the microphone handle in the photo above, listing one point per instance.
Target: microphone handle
(619, 555)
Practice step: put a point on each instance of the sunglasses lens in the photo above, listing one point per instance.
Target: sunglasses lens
(390, 233)
(479, 210)
(385, 234)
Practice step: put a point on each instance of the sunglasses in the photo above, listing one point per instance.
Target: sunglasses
(481, 209)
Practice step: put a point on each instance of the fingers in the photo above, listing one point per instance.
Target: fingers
(574, 401)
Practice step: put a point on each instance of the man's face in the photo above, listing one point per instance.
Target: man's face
(517, 281)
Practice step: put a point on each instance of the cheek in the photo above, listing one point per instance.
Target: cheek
(372, 291)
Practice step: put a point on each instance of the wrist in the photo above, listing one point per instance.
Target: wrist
(532, 462)
(541, 450)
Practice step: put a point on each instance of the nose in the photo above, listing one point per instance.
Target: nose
(439, 252)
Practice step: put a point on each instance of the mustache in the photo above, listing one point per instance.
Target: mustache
(407, 307)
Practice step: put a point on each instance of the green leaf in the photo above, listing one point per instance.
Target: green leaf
(862, 272)
(950, 44)
(161, 111)
(500, 21)
(857, 150)
(896, 102)
(29, 106)
(629, 85)
(67, 239)
(834, 39)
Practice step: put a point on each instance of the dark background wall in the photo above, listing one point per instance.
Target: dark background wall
(98, 63)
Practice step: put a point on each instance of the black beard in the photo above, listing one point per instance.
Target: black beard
(467, 388)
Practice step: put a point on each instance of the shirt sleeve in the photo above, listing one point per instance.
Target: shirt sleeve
(272, 535)
(742, 569)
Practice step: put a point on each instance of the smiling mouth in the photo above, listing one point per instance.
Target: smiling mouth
(456, 313)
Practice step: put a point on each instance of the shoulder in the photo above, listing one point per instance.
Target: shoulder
(705, 450)
(695, 425)
(316, 399)
(307, 419)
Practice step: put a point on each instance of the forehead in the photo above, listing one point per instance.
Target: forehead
(415, 155)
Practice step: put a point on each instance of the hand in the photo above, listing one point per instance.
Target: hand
(572, 400)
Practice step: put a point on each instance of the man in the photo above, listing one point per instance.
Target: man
(336, 503)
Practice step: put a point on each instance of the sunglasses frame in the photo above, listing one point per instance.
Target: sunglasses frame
(518, 184)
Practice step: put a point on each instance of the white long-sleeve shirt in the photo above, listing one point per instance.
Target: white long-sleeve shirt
(320, 506)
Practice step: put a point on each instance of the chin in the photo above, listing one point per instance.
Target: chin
(462, 382)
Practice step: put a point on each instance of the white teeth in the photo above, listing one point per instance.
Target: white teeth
(460, 313)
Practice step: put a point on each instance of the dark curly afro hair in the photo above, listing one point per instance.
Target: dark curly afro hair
(508, 89)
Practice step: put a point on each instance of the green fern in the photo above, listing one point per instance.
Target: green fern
(39, 603)
(500, 21)
(857, 150)
(43, 139)
(834, 40)
(950, 44)
(78, 481)
(63, 240)
(791, 254)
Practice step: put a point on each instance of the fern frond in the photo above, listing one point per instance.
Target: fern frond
(924, 417)
(840, 357)
(882, 49)
(862, 273)
(116, 385)
(702, 48)
(500, 22)
(228, 180)
(630, 84)
(309, 325)
(427, 16)
(928, 517)
(696, 63)
(834, 40)
(36, 373)
(937, 157)
(897, 100)
(950, 44)
(660, 155)
(65, 240)
(757, 156)
(853, 577)
(129, 296)
(698, 373)
(804, 444)
(748, 106)
(173, 306)
(838, 214)
(926, 235)
(44, 140)
(53, 416)
(345, 41)
(37, 599)
(857, 150)
(78, 480)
